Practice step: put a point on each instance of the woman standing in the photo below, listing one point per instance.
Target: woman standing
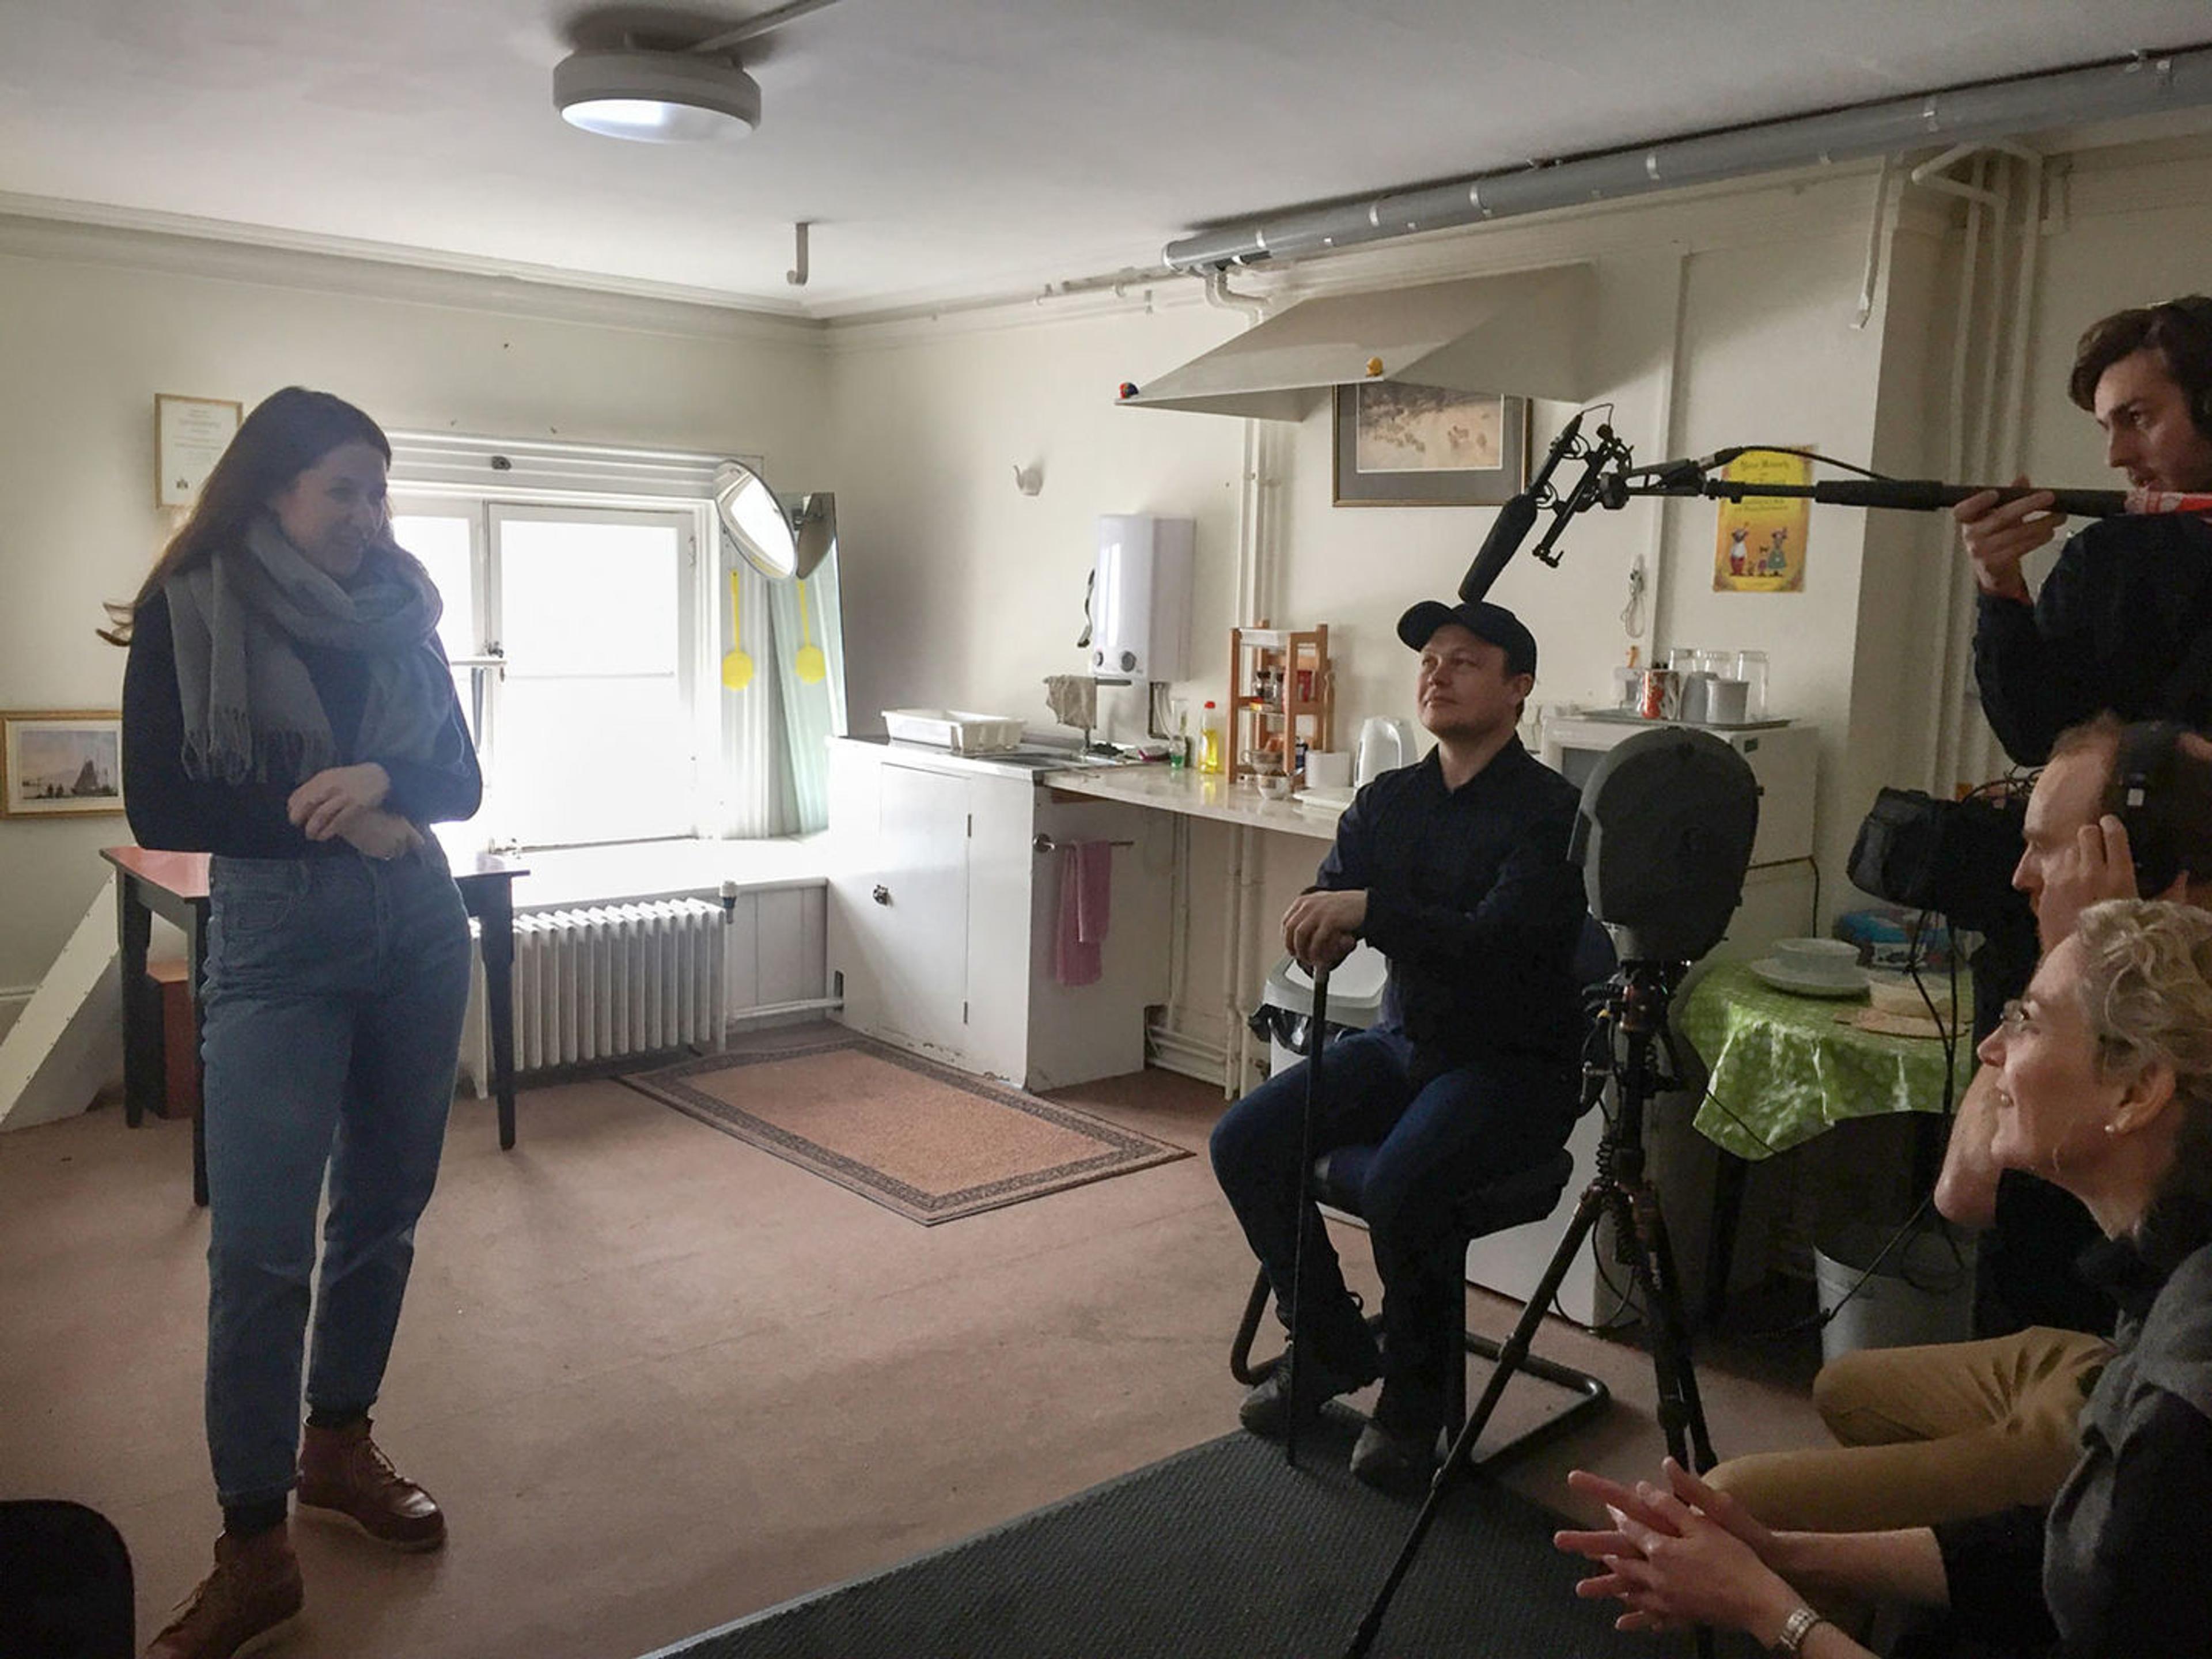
(2104, 1085)
(287, 709)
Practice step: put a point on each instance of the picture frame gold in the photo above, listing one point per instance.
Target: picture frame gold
(64, 763)
(1399, 445)
(190, 435)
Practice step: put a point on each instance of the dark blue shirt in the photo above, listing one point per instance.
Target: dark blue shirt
(2116, 625)
(175, 813)
(1472, 899)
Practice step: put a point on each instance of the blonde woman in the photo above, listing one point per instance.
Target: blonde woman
(2105, 1079)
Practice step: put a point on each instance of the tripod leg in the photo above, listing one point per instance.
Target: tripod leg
(1662, 1258)
(1650, 1266)
(1461, 1458)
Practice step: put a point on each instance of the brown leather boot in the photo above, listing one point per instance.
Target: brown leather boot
(343, 1472)
(248, 1602)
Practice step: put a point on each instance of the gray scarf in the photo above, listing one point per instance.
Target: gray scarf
(251, 711)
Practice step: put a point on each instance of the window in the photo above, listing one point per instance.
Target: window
(573, 628)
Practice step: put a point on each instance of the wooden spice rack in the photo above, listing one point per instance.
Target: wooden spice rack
(1282, 691)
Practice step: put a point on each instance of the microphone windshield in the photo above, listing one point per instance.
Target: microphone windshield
(1515, 520)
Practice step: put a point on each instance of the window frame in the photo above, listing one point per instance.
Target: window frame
(483, 506)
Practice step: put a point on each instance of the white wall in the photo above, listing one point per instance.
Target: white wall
(94, 324)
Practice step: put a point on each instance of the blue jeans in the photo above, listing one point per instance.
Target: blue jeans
(1439, 1134)
(335, 992)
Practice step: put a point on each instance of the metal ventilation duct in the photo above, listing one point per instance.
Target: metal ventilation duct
(2140, 85)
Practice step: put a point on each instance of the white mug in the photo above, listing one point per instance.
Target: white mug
(1328, 769)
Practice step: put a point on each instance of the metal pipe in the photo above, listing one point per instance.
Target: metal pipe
(2138, 86)
(752, 27)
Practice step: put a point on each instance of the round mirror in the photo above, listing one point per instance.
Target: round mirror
(755, 520)
(818, 530)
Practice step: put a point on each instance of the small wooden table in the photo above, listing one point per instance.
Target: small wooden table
(174, 886)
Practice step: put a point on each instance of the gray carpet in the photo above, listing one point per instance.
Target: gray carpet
(1222, 1552)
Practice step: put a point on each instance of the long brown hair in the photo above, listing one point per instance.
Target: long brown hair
(287, 432)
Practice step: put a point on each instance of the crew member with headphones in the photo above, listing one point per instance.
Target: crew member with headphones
(1956, 1429)
(2124, 623)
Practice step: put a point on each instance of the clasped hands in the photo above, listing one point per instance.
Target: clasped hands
(1320, 927)
(1681, 1555)
(347, 802)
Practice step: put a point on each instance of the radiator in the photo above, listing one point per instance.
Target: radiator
(610, 980)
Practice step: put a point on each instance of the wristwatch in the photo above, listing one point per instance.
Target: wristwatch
(1795, 1629)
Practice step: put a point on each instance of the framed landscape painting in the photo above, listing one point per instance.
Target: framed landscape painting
(1425, 446)
(60, 764)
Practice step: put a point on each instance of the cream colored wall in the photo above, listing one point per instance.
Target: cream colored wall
(1717, 321)
(964, 593)
(93, 325)
(2126, 228)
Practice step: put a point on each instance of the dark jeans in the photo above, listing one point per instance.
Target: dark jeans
(1439, 1135)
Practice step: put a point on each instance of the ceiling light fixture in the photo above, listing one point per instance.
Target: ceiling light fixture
(658, 95)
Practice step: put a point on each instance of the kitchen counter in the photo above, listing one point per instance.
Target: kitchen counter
(1166, 788)
(1193, 794)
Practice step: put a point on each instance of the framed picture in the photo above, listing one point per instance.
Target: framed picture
(190, 435)
(1424, 446)
(60, 765)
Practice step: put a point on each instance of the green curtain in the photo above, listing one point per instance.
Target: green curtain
(806, 619)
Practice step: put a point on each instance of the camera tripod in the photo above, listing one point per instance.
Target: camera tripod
(1633, 1024)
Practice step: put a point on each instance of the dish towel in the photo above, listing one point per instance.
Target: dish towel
(1073, 700)
(1086, 888)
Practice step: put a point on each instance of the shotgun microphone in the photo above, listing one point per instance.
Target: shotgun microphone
(1516, 520)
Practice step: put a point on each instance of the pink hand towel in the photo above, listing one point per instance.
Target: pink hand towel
(1085, 871)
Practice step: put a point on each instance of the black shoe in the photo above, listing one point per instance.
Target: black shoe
(1268, 1409)
(1397, 1450)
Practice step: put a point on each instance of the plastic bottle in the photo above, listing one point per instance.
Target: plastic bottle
(1209, 729)
(1179, 743)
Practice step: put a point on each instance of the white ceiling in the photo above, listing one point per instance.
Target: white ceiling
(944, 148)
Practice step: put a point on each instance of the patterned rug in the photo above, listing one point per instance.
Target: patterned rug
(929, 1142)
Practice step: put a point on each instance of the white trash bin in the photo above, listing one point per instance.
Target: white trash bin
(1355, 1002)
(1923, 1291)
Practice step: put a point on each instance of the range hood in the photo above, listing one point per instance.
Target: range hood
(1521, 334)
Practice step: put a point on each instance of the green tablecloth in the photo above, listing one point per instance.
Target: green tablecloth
(1783, 1071)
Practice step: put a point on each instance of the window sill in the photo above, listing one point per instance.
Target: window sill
(622, 874)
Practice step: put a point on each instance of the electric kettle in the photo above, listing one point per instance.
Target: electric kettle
(1384, 745)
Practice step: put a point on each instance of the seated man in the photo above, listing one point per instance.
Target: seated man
(1456, 870)
(1957, 1430)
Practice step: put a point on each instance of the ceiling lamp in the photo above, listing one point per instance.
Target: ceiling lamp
(657, 97)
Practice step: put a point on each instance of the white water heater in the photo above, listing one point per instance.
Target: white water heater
(1140, 598)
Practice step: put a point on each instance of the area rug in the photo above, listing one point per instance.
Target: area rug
(1222, 1552)
(929, 1142)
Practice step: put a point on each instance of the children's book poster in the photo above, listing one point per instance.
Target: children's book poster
(1761, 545)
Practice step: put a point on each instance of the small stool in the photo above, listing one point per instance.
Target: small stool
(180, 1072)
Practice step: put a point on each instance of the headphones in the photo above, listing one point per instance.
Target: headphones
(2190, 316)
(2165, 802)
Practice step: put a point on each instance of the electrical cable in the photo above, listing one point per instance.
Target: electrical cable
(1814, 455)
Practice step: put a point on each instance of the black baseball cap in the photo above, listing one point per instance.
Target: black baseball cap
(1485, 621)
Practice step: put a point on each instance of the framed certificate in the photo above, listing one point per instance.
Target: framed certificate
(190, 435)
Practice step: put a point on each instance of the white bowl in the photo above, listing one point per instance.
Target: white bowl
(1818, 958)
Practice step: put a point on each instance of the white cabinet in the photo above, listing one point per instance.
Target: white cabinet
(944, 908)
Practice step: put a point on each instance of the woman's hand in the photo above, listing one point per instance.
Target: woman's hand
(1687, 1556)
(380, 834)
(322, 804)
